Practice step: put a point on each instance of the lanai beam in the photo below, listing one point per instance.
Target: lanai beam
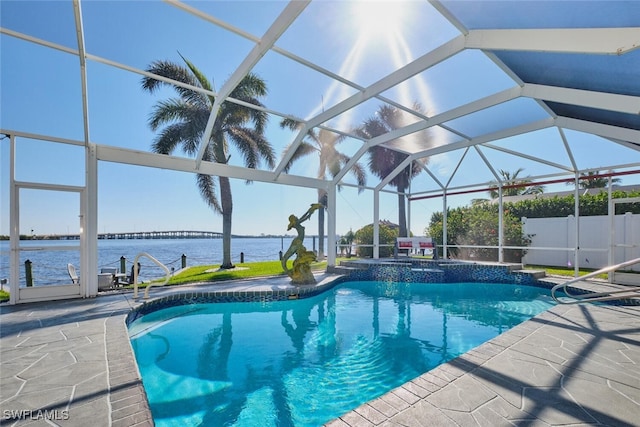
(279, 26)
(584, 98)
(608, 41)
(424, 62)
(463, 110)
(603, 130)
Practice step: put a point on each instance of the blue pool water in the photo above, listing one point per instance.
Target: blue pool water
(306, 362)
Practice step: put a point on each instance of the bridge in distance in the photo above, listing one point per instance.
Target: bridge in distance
(179, 234)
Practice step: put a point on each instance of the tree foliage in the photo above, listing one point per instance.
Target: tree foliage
(324, 144)
(478, 224)
(383, 161)
(364, 236)
(345, 243)
(524, 185)
(181, 122)
(562, 206)
(594, 180)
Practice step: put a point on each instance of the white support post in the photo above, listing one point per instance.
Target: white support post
(14, 226)
(407, 201)
(629, 248)
(444, 224)
(612, 230)
(331, 226)
(500, 225)
(576, 254)
(89, 224)
(407, 204)
(376, 223)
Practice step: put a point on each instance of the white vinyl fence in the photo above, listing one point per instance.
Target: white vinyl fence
(594, 240)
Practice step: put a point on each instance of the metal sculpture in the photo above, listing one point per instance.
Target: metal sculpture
(301, 272)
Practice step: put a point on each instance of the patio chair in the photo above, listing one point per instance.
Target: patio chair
(72, 273)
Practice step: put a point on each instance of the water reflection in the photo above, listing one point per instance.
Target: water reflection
(305, 362)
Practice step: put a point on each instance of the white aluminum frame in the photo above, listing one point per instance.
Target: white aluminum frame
(600, 41)
(45, 293)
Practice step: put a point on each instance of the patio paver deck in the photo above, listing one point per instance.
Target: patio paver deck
(71, 362)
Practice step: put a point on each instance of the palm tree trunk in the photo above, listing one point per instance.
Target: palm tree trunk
(227, 210)
(402, 216)
(402, 205)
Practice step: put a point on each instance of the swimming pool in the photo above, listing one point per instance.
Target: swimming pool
(306, 362)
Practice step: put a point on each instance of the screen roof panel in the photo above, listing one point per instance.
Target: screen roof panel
(467, 76)
(602, 73)
(477, 75)
(113, 31)
(631, 121)
(599, 73)
(48, 20)
(501, 14)
(46, 103)
(499, 117)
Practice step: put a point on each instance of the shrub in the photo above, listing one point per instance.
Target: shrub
(478, 226)
(364, 236)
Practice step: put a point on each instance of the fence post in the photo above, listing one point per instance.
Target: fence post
(184, 261)
(28, 273)
(123, 265)
(241, 257)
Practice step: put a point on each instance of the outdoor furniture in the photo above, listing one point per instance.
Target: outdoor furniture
(105, 281)
(411, 243)
(115, 278)
(72, 273)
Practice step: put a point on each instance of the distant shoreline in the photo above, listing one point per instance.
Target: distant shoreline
(76, 237)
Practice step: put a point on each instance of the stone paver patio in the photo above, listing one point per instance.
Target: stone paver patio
(70, 363)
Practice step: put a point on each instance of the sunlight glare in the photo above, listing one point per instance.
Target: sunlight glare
(378, 25)
(378, 18)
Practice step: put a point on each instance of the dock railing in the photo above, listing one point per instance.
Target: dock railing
(597, 296)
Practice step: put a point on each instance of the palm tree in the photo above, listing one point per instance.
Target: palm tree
(184, 119)
(382, 161)
(323, 143)
(346, 243)
(593, 180)
(523, 187)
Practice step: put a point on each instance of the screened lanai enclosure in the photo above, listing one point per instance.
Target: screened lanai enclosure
(384, 110)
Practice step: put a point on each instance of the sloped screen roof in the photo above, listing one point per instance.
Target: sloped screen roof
(608, 73)
(465, 74)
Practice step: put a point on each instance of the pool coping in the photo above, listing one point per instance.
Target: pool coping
(75, 356)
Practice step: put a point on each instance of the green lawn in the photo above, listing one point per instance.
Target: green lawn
(564, 271)
(212, 273)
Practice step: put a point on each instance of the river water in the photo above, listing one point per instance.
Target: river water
(50, 266)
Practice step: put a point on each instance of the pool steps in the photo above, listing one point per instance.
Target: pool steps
(536, 274)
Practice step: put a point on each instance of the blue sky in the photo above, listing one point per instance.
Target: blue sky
(41, 94)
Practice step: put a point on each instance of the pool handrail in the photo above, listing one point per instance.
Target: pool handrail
(135, 275)
(596, 296)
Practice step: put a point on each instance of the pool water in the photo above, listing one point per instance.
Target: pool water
(308, 361)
